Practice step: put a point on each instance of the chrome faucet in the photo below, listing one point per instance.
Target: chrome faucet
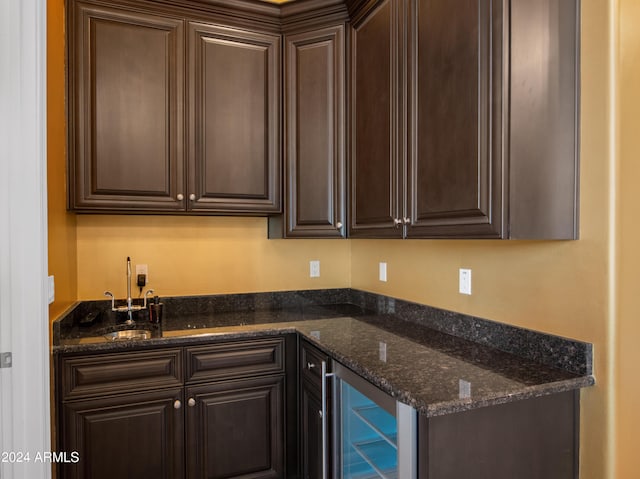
(130, 307)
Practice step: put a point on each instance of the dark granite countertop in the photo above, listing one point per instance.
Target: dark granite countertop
(433, 371)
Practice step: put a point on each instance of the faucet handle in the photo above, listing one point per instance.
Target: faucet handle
(146, 295)
(113, 299)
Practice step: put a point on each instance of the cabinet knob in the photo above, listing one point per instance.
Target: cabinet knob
(191, 402)
(338, 225)
(192, 197)
(397, 222)
(406, 221)
(180, 197)
(177, 404)
(310, 365)
(320, 412)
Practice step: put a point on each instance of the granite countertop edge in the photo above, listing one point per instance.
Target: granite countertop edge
(405, 396)
(460, 405)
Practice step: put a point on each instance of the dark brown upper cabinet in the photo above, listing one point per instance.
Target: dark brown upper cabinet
(478, 114)
(234, 133)
(129, 111)
(314, 172)
(314, 123)
(126, 88)
(376, 166)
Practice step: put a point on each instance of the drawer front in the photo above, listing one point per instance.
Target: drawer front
(311, 363)
(101, 374)
(238, 359)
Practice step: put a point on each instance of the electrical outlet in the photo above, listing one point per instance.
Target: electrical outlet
(314, 269)
(382, 351)
(465, 281)
(464, 389)
(382, 272)
(142, 269)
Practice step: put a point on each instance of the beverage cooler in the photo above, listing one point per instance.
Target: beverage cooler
(374, 436)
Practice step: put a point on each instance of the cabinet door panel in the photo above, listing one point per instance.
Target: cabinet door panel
(126, 97)
(236, 429)
(455, 176)
(311, 431)
(375, 170)
(315, 133)
(127, 436)
(234, 132)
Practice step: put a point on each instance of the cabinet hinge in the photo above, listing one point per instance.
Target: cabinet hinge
(5, 360)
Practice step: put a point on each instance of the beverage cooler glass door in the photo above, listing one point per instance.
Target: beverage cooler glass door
(375, 434)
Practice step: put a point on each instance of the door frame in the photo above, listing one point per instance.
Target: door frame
(25, 410)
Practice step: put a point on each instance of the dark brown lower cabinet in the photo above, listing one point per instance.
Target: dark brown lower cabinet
(153, 414)
(235, 429)
(244, 409)
(311, 428)
(536, 438)
(126, 436)
(311, 431)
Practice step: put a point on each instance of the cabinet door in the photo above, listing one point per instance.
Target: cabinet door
(455, 173)
(311, 431)
(376, 172)
(311, 428)
(236, 429)
(126, 436)
(234, 118)
(125, 110)
(314, 167)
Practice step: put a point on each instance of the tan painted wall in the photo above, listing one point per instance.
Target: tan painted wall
(557, 287)
(627, 390)
(201, 255)
(62, 225)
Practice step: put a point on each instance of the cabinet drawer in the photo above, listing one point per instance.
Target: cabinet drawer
(102, 374)
(311, 363)
(239, 359)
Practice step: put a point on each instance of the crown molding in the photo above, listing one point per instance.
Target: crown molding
(305, 14)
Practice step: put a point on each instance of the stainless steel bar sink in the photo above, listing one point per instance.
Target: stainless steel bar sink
(128, 334)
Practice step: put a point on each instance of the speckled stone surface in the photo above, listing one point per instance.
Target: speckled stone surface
(435, 372)
(555, 351)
